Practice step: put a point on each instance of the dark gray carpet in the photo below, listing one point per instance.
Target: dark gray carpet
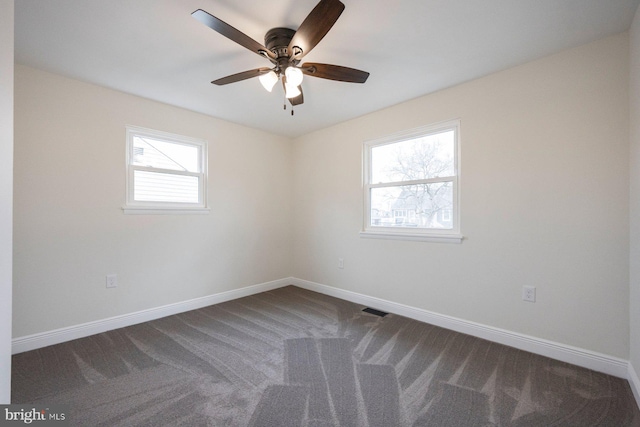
(292, 357)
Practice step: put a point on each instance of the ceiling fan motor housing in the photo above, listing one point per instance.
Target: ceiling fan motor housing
(277, 40)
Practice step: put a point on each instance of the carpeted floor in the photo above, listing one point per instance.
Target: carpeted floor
(291, 357)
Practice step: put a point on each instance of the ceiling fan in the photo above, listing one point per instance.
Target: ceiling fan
(285, 48)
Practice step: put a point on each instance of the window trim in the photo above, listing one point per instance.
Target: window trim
(429, 235)
(134, 207)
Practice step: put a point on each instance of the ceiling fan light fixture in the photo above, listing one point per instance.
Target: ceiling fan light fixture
(294, 76)
(285, 48)
(291, 91)
(269, 80)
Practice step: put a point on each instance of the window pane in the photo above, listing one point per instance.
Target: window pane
(166, 155)
(413, 206)
(425, 157)
(164, 187)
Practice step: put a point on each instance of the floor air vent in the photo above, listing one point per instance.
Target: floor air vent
(375, 312)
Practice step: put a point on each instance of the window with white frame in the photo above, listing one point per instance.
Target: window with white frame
(411, 184)
(166, 173)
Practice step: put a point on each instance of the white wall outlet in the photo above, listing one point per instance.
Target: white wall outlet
(529, 293)
(112, 280)
(340, 262)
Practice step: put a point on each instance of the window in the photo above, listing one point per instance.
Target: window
(166, 173)
(411, 185)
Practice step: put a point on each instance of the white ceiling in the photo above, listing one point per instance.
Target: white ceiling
(155, 49)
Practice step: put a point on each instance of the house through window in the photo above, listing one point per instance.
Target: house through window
(411, 184)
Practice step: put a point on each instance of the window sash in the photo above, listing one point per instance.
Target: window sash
(454, 211)
(412, 182)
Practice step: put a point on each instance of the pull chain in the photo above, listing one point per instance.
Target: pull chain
(284, 106)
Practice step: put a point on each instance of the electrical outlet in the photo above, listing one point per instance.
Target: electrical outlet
(112, 281)
(529, 293)
(340, 262)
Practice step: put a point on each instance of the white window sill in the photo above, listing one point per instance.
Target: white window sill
(418, 237)
(148, 210)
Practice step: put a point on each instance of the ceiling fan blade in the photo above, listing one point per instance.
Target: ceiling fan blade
(315, 26)
(298, 99)
(334, 72)
(231, 33)
(241, 76)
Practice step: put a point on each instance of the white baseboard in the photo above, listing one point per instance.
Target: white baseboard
(56, 336)
(574, 355)
(634, 382)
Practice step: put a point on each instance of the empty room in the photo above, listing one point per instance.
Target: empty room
(320, 213)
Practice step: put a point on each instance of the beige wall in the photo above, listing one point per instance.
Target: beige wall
(544, 197)
(6, 193)
(634, 97)
(70, 230)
